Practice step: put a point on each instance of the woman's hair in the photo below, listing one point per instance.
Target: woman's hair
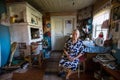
(77, 31)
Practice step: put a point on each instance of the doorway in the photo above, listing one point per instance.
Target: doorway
(62, 26)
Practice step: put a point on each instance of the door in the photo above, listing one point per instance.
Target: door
(62, 26)
(57, 34)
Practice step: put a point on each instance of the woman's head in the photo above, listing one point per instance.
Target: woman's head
(100, 35)
(75, 34)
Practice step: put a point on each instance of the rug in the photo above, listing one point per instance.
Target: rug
(52, 67)
(52, 64)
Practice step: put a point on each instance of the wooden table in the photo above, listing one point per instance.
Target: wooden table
(112, 72)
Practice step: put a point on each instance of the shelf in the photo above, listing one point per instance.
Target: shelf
(14, 24)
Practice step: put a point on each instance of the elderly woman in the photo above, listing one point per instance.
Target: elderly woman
(73, 49)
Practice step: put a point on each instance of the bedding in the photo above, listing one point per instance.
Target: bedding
(92, 48)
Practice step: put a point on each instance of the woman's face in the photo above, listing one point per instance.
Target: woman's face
(75, 35)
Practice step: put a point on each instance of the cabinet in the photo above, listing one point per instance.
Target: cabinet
(26, 24)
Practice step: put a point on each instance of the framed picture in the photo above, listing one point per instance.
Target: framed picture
(116, 27)
(116, 12)
(68, 26)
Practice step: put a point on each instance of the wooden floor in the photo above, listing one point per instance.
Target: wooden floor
(35, 73)
(39, 74)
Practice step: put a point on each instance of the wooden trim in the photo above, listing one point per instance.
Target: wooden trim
(63, 13)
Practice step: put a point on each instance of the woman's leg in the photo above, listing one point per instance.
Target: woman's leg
(68, 74)
(61, 72)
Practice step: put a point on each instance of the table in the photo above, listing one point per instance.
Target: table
(112, 72)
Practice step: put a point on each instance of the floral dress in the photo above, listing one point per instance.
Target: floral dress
(73, 50)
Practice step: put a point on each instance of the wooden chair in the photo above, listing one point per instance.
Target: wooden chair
(34, 55)
(13, 49)
(9, 66)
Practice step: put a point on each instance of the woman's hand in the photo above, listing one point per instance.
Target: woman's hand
(71, 58)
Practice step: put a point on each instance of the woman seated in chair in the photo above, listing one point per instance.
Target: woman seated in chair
(73, 50)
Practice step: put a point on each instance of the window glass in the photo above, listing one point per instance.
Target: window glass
(98, 19)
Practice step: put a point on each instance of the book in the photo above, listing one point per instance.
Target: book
(105, 57)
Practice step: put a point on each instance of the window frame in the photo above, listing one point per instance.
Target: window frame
(102, 13)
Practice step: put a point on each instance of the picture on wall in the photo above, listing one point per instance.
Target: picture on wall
(68, 23)
(68, 27)
(116, 13)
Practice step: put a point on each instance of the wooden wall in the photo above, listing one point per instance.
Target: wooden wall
(99, 3)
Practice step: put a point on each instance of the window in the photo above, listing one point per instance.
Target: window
(98, 20)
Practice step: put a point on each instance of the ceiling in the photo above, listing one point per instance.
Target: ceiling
(60, 5)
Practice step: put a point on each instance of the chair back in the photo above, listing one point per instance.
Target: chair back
(83, 58)
(13, 49)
